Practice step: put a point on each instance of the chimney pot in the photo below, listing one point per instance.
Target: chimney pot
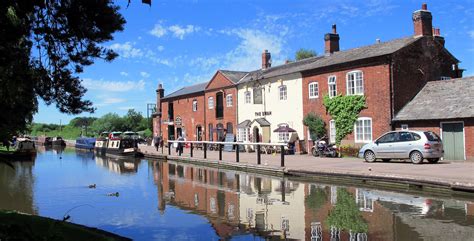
(423, 22)
(331, 41)
(334, 29)
(424, 6)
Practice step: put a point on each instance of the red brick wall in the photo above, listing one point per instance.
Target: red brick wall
(190, 119)
(376, 90)
(435, 126)
(415, 65)
(221, 84)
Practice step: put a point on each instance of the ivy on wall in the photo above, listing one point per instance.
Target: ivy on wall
(344, 110)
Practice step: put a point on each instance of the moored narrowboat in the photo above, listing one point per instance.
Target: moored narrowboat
(122, 146)
(87, 143)
(58, 141)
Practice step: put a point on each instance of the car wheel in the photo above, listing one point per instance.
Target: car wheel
(369, 156)
(385, 160)
(433, 160)
(416, 157)
(314, 152)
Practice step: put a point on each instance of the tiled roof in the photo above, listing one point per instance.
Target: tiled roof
(244, 124)
(233, 76)
(262, 122)
(442, 99)
(188, 90)
(375, 50)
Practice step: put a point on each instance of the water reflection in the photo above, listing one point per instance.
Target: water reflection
(120, 166)
(236, 203)
(16, 187)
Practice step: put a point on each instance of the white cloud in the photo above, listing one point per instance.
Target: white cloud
(144, 74)
(123, 73)
(126, 50)
(106, 100)
(180, 32)
(161, 48)
(113, 86)
(176, 30)
(158, 31)
(471, 34)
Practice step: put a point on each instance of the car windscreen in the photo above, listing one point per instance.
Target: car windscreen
(431, 136)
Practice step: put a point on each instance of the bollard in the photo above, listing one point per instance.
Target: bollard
(282, 153)
(205, 150)
(220, 152)
(259, 160)
(169, 149)
(191, 149)
(237, 153)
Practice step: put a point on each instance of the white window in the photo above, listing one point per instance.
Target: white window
(283, 136)
(445, 78)
(364, 203)
(355, 83)
(195, 105)
(210, 102)
(248, 97)
(404, 127)
(332, 131)
(363, 130)
(283, 92)
(332, 86)
(243, 134)
(313, 90)
(229, 100)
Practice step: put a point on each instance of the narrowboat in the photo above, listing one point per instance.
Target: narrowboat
(120, 146)
(44, 140)
(87, 143)
(58, 141)
(101, 143)
(23, 150)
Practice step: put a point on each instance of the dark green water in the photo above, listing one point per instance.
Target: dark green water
(173, 201)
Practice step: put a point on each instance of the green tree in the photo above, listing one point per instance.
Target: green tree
(304, 54)
(133, 120)
(108, 122)
(44, 45)
(316, 125)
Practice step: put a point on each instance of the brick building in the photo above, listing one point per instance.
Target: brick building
(389, 74)
(221, 108)
(446, 108)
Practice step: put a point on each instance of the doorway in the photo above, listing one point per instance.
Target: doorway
(453, 140)
(256, 134)
(171, 135)
(219, 105)
(198, 133)
(179, 132)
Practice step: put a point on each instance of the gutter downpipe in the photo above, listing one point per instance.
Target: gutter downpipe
(392, 109)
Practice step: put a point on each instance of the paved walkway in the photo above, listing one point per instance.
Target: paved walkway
(458, 174)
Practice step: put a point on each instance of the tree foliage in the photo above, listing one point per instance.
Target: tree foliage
(304, 54)
(344, 110)
(316, 198)
(44, 45)
(316, 125)
(346, 214)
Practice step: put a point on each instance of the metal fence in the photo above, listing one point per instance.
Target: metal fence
(236, 148)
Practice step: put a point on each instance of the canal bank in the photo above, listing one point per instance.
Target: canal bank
(444, 177)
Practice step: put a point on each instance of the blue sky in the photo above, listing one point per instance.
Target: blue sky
(177, 42)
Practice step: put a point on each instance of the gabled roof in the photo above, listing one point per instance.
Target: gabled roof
(244, 124)
(442, 99)
(192, 89)
(233, 76)
(374, 50)
(262, 121)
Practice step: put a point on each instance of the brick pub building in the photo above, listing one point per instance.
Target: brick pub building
(389, 74)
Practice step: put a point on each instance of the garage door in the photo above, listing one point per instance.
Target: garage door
(453, 141)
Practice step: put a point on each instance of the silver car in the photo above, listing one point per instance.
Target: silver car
(413, 145)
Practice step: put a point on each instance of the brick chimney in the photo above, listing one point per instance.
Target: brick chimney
(422, 21)
(437, 36)
(160, 93)
(266, 59)
(331, 41)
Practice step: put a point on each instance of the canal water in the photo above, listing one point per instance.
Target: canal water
(174, 201)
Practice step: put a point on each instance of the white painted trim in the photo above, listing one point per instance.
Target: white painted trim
(371, 130)
(309, 90)
(463, 132)
(347, 82)
(335, 85)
